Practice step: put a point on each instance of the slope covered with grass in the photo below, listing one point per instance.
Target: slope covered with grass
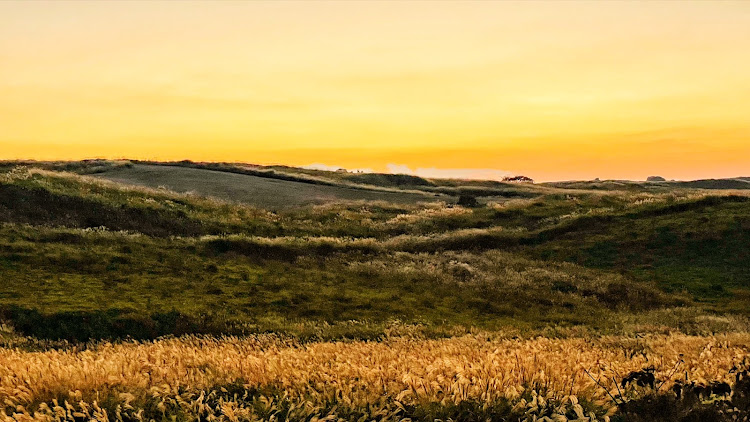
(83, 258)
(266, 192)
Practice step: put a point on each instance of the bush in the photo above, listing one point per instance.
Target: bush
(467, 201)
(107, 324)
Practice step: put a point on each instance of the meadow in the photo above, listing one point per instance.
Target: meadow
(253, 189)
(350, 306)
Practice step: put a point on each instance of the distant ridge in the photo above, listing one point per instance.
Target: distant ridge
(736, 183)
(308, 186)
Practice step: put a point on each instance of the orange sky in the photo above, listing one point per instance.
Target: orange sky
(553, 90)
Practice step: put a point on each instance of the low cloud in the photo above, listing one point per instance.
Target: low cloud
(438, 173)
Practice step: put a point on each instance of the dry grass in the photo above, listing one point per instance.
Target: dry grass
(539, 376)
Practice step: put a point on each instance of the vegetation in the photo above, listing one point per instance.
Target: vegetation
(469, 378)
(265, 189)
(644, 271)
(304, 186)
(83, 258)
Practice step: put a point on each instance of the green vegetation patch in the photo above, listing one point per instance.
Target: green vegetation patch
(124, 261)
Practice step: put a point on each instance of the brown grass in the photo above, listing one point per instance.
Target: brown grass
(530, 374)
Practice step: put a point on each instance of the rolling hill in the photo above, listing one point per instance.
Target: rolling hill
(83, 257)
(265, 192)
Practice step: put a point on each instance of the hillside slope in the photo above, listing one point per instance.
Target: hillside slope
(85, 258)
(258, 191)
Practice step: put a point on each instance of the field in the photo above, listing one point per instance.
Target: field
(359, 296)
(473, 377)
(254, 190)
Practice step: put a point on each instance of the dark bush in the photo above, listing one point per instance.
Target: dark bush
(689, 401)
(83, 326)
(38, 206)
(467, 201)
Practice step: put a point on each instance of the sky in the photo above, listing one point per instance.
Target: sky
(554, 90)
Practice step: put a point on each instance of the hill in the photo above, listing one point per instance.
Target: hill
(265, 192)
(738, 183)
(354, 185)
(86, 258)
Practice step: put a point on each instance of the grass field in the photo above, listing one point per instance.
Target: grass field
(258, 191)
(466, 378)
(83, 258)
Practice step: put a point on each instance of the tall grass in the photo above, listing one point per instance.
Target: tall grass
(471, 377)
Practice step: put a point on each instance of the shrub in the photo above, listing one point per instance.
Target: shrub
(467, 201)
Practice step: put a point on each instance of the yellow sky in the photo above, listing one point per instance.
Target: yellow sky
(554, 90)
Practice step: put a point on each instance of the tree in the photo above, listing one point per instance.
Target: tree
(518, 179)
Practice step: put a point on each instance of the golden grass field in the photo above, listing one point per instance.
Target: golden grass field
(283, 379)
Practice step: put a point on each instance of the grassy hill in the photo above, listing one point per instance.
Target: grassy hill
(737, 183)
(353, 186)
(86, 258)
(263, 192)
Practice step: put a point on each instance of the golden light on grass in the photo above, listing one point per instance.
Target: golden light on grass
(330, 379)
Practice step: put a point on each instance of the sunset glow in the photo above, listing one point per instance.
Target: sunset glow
(553, 90)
